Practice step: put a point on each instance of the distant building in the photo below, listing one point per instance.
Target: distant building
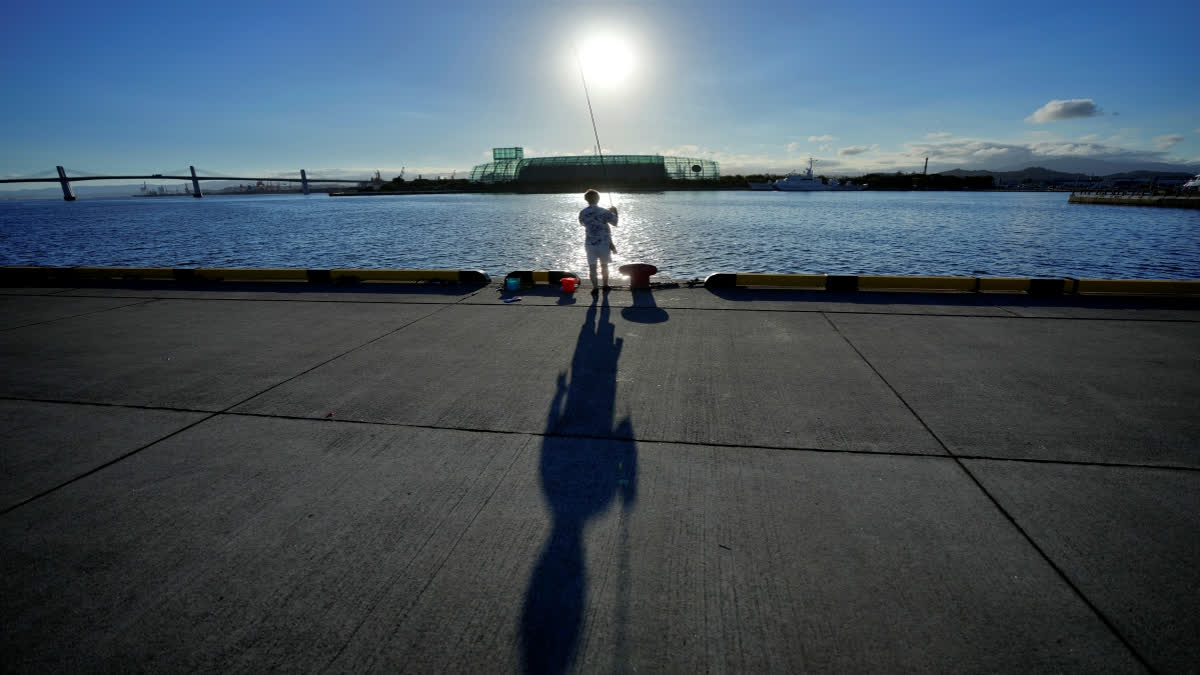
(510, 165)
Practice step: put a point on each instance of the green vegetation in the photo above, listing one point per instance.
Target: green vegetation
(420, 184)
(917, 181)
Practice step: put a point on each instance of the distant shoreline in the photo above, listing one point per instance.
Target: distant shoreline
(647, 190)
(398, 193)
(393, 193)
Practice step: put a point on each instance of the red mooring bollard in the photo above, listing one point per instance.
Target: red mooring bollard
(638, 273)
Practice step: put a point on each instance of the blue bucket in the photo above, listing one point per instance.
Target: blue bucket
(512, 284)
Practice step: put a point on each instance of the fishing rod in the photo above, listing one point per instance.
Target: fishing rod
(599, 149)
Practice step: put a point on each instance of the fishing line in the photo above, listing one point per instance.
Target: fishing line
(599, 149)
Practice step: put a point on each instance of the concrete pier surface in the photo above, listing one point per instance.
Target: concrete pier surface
(428, 479)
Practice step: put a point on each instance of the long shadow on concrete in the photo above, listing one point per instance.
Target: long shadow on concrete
(581, 479)
(644, 309)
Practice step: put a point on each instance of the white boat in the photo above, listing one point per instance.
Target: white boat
(1193, 184)
(807, 182)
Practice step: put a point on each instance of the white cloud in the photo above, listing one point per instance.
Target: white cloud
(969, 153)
(731, 163)
(943, 154)
(975, 153)
(1064, 110)
(821, 139)
(793, 147)
(1167, 142)
(939, 134)
(685, 150)
(990, 152)
(1089, 138)
(571, 152)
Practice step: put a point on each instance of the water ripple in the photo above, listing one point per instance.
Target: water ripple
(687, 234)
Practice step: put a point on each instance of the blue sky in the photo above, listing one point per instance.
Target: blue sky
(269, 87)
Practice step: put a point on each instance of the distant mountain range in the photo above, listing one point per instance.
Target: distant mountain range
(1069, 168)
(1042, 174)
(1105, 167)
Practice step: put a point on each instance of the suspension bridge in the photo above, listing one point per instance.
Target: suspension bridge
(69, 194)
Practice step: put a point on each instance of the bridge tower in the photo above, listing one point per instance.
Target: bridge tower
(68, 193)
(303, 182)
(195, 184)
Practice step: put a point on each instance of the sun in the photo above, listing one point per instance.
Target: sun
(608, 60)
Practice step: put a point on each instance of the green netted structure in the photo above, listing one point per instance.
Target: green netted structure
(510, 165)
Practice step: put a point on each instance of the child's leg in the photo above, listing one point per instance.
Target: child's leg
(592, 272)
(604, 273)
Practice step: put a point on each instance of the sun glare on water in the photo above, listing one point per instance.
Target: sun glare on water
(608, 61)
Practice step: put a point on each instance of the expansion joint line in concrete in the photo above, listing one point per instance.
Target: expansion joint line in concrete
(1078, 462)
(373, 340)
(207, 417)
(469, 296)
(596, 437)
(98, 404)
(105, 465)
(591, 437)
(76, 316)
(659, 441)
(1112, 627)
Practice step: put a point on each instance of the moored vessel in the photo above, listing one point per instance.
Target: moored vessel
(802, 182)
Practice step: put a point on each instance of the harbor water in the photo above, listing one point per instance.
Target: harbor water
(686, 234)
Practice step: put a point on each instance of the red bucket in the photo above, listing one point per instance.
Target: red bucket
(568, 284)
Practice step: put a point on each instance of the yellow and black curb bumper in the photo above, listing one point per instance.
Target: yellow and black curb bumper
(29, 276)
(34, 275)
(442, 276)
(1041, 287)
(527, 278)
